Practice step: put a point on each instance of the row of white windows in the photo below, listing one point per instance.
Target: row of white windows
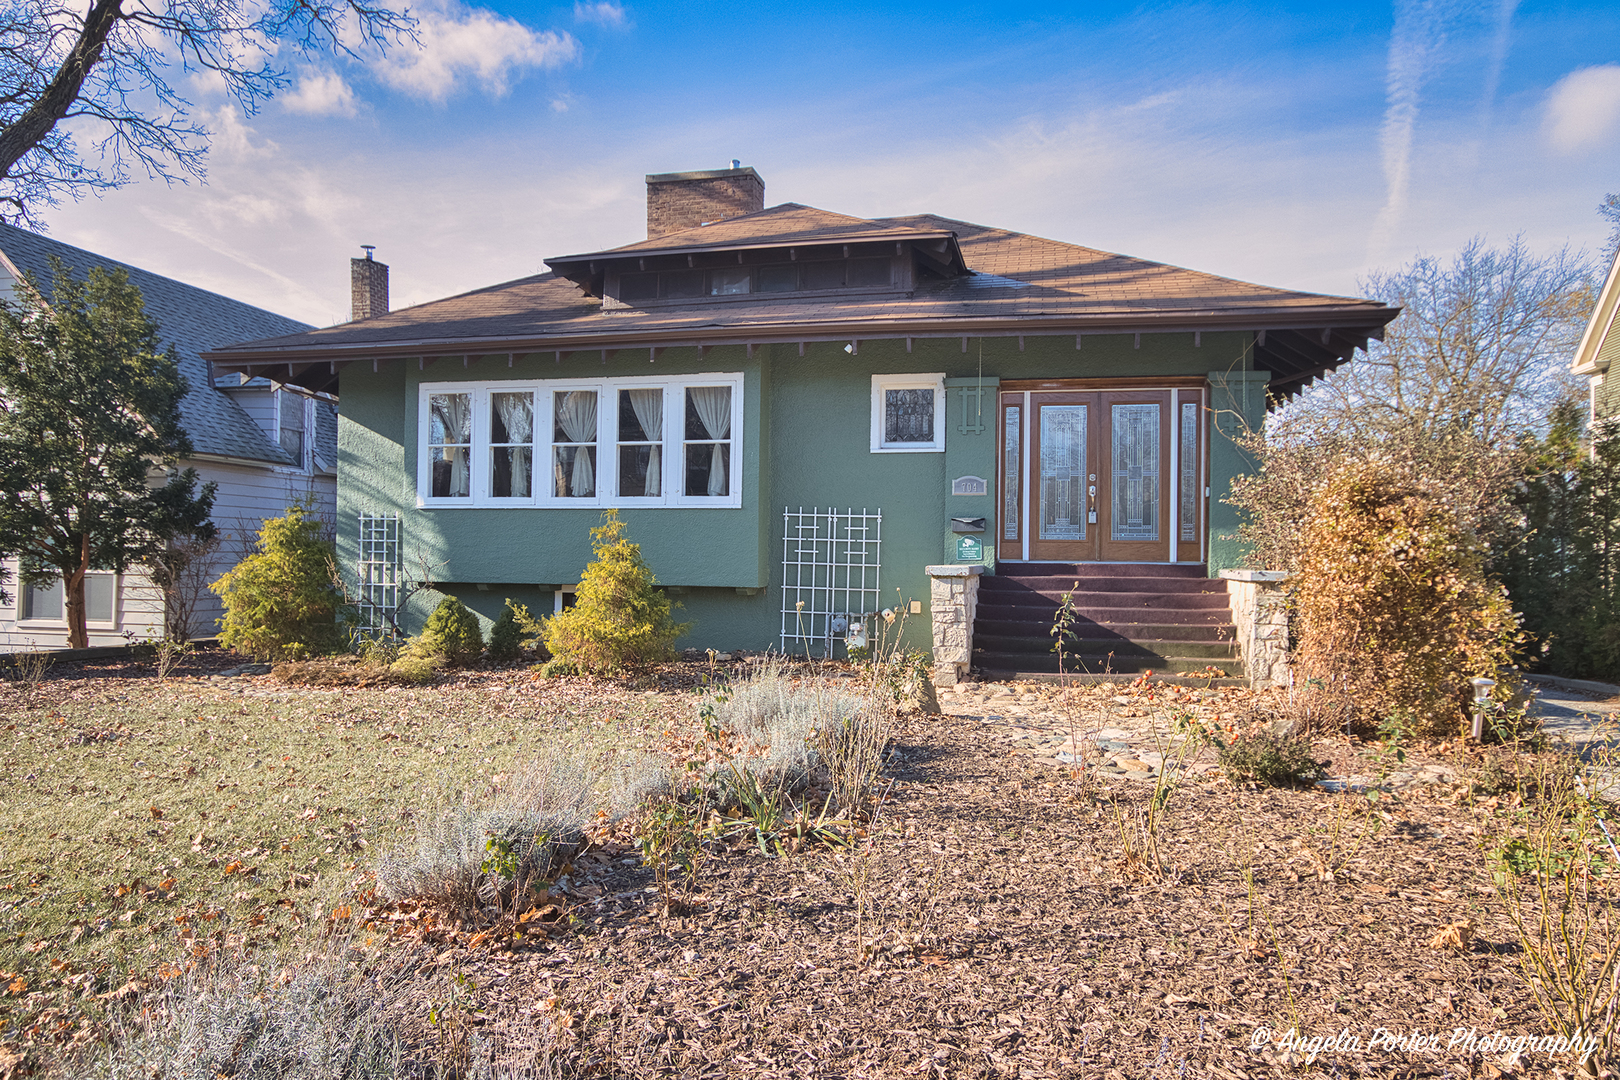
(628, 441)
(621, 442)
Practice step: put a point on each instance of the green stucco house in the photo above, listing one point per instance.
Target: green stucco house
(808, 419)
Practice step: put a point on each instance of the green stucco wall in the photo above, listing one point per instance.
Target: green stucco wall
(806, 443)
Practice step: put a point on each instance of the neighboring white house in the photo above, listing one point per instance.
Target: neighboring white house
(263, 444)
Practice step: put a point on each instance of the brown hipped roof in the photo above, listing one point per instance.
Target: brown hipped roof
(1018, 284)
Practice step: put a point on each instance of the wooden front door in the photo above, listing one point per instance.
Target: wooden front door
(1089, 475)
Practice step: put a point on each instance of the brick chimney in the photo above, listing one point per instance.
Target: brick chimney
(368, 287)
(684, 200)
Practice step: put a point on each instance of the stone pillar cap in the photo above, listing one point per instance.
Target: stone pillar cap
(964, 570)
(1255, 575)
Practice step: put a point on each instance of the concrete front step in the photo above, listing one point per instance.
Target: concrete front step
(1214, 629)
(1216, 650)
(1034, 603)
(1108, 571)
(985, 660)
(1056, 587)
(1013, 675)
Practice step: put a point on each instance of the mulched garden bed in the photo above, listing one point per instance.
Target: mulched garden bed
(989, 929)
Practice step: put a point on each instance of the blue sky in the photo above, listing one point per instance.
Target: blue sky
(1291, 145)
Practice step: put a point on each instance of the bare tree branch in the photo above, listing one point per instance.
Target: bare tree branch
(112, 64)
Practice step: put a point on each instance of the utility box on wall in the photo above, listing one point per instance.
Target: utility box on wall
(970, 468)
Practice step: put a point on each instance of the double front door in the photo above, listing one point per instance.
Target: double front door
(1109, 475)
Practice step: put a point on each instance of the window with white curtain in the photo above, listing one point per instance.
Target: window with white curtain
(604, 442)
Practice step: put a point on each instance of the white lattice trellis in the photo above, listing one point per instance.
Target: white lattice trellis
(378, 570)
(829, 569)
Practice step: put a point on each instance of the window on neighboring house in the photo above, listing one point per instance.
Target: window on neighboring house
(606, 442)
(908, 413)
(293, 428)
(47, 603)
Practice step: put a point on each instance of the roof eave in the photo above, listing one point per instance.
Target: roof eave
(316, 366)
(1600, 325)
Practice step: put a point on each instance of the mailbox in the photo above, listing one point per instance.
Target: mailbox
(967, 525)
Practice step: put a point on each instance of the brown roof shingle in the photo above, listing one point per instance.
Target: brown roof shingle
(1018, 282)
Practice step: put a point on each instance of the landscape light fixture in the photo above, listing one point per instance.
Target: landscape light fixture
(1482, 694)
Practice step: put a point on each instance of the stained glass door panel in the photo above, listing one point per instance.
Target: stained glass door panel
(1063, 472)
(1063, 482)
(1136, 510)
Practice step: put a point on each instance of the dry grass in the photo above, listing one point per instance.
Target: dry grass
(147, 825)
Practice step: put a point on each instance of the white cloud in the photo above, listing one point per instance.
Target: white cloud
(1583, 110)
(1414, 45)
(601, 14)
(460, 43)
(320, 93)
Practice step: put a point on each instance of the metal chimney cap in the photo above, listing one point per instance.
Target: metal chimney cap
(368, 249)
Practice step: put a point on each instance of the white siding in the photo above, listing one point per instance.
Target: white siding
(259, 402)
(244, 497)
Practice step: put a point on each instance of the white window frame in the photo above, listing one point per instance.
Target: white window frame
(306, 461)
(882, 383)
(89, 623)
(607, 442)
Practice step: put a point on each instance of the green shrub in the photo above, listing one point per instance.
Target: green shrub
(558, 668)
(451, 632)
(621, 620)
(415, 668)
(1264, 757)
(283, 601)
(513, 632)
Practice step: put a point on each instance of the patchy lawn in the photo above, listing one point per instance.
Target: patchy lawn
(984, 925)
(145, 823)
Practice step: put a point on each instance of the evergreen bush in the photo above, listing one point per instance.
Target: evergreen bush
(513, 632)
(1563, 572)
(451, 632)
(621, 620)
(283, 602)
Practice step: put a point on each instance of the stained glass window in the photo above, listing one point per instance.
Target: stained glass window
(1189, 473)
(908, 416)
(1135, 509)
(1063, 472)
(1011, 478)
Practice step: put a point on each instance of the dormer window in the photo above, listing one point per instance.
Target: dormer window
(773, 279)
(875, 260)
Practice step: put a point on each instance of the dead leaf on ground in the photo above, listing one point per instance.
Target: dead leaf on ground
(1457, 935)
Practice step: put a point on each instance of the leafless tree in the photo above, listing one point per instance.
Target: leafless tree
(1479, 357)
(1482, 346)
(103, 69)
(182, 574)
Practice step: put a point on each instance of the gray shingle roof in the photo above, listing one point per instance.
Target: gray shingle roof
(194, 320)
